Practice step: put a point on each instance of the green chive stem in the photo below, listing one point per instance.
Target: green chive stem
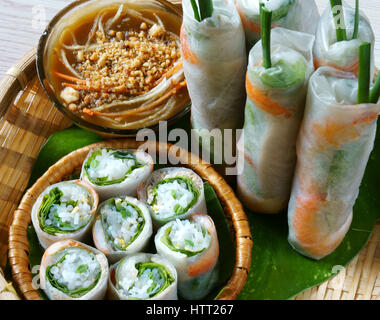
(341, 34)
(206, 8)
(195, 9)
(356, 26)
(364, 72)
(266, 24)
(375, 92)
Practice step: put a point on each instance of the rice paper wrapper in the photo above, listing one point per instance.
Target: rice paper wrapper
(214, 62)
(83, 234)
(335, 142)
(298, 15)
(102, 241)
(145, 193)
(273, 115)
(98, 292)
(127, 187)
(196, 274)
(130, 272)
(342, 55)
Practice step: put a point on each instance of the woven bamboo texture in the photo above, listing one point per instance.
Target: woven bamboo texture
(27, 118)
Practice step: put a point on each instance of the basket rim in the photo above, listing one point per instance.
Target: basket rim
(234, 211)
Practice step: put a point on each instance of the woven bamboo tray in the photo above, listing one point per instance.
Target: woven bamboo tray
(27, 118)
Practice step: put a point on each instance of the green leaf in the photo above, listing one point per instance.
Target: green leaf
(82, 268)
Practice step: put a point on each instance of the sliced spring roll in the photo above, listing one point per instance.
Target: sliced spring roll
(65, 210)
(214, 62)
(342, 55)
(114, 172)
(335, 142)
(122, 227)
(193, 248)
(298, 15)
(173, 193)
(71, 270)
(273, 115)
(143, 276)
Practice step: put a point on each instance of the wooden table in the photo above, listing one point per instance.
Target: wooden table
(23, 21)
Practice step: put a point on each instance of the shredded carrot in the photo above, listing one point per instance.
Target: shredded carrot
(123, 114)
(168, 74)
(256, 28)
(353, 68)
(308, 231)
(120, 89)
(264, 102)
(187, 53)
(68, 78)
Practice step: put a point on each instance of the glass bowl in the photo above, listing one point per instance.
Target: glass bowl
(71, 13)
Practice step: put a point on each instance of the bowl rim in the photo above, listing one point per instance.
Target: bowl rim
(18, 253)
(41, 73)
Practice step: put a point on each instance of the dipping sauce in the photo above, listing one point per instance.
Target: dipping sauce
(120, 67)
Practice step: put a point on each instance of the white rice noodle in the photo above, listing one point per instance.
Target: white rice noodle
(93, 30)
(52, 256)
(129, 185)
(100, 24)
(138, 15)
(82, 234)
(68, 66)
(138, 245)
(159, 21)
(115, 18)
(145, 193)
(126, 277)
(189, 268)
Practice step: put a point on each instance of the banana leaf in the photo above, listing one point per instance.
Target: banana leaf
(277, 271)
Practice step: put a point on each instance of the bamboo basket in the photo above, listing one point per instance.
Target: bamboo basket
(28, 118)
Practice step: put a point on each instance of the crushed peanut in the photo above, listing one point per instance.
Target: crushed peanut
(123, 64)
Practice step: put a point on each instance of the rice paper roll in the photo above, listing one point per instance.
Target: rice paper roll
(143, 276)
(274, 110)
(297, 15)
(71, 270)
(116, 172)
(342, 55)
(335, 142)
(214, 61)
(65, 210)
(173, 193)
(193, 248)
(123, 226)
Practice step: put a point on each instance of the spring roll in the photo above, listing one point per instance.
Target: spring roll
(123, 226)
(173, 193)
(143, 276)
(113, 172)
(71, 270)
(273, 115)
(193, 248)
(335, 142)
(65, 210)
(214, 62)
(342, 55)
(298, 15)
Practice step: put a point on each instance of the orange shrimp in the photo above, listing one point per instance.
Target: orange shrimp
(264, 102)
(187, 53)
(353, 67)
(339, 133)
(210, 257)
